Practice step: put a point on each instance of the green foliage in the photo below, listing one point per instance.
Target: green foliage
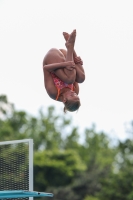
(98, 146)
(56, 167)
(91, 198)
(118, 186)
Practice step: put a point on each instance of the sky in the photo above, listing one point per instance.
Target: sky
(29, 28)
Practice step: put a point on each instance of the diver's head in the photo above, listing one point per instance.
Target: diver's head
(71, 101)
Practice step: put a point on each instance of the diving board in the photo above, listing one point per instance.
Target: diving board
(7, 194)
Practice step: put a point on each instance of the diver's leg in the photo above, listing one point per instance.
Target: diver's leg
(55, 56)
(71, 74)
(80, 73)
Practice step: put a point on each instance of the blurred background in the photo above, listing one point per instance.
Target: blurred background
(87, 154)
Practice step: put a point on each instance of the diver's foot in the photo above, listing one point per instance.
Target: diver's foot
(71, 40)
(66, 35)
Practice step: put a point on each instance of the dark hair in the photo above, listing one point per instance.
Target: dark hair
(72, 105)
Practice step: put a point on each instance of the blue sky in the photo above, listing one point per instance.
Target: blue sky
(29, 28)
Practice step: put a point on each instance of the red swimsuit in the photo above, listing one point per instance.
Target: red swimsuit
(60, 84)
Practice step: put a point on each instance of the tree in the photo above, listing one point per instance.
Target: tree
(98, 156)
(11, 122)
(47, 129)
(56, 168)
(62, 164)
(119, 184)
